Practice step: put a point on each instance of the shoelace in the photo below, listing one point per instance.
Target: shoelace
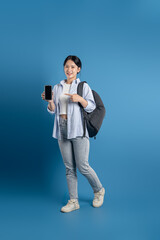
(97, 196)
(71, 201)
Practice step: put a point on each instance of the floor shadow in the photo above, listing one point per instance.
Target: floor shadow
(85, 199)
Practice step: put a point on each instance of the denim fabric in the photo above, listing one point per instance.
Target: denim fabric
(75, 153)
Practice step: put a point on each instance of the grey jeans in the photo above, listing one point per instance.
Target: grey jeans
(75, 154)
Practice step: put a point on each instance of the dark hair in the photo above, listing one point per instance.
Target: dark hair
(75, 59)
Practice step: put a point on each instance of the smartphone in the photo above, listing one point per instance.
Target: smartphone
(48, 92)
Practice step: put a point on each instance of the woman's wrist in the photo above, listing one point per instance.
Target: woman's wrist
(51, 106)
(83, 102)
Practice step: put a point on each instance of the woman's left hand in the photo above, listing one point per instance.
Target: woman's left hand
(74, 97)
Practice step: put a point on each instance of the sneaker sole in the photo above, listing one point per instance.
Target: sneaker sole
(65, 211)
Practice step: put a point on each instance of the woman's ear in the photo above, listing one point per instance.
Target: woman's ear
(79, 69)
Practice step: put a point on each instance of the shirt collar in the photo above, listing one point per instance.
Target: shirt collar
(76, 81)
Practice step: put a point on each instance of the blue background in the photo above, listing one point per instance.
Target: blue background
(118, 44)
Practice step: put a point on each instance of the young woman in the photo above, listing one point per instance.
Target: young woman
(68, 129)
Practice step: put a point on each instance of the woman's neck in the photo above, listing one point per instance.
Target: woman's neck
(69, 81)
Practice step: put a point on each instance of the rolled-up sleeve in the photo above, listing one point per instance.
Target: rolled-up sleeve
(54, 94)
(88, 96)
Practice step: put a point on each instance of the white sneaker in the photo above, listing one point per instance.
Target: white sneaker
(70, 206)
(98, 198)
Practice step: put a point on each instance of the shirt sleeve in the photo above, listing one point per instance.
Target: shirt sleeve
(88, 96)
(54, 94)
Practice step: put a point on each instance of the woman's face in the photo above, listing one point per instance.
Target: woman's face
(71, 70)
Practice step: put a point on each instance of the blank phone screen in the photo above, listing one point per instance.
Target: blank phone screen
(48, 92)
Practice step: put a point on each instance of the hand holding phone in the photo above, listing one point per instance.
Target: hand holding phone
(47, 95)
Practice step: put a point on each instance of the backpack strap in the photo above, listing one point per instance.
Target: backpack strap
(80, 92)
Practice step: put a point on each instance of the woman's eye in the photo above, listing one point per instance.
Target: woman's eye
(68, 67)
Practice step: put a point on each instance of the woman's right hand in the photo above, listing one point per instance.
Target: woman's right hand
(43, 97)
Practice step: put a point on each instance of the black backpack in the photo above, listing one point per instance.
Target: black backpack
(95, 118)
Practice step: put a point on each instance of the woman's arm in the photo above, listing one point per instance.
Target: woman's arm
(88, 96)
(51, 106)
(87, 100)
(83, 102)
